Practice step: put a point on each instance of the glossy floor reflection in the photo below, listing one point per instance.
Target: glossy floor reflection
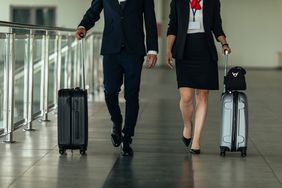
(160, 159)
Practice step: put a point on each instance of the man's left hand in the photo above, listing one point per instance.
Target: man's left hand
(151, 60)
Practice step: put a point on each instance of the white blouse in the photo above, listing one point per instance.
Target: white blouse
(198, 18)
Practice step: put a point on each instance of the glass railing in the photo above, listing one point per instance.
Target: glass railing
(2, 61)
(34, 66)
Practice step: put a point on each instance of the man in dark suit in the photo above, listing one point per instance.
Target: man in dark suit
(124, 49)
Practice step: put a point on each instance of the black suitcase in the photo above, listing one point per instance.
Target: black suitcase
(72, 120)
(73, 115)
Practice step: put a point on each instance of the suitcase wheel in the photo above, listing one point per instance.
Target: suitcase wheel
(62, 151)
(222, 153)
(243, 153)
(82, 151)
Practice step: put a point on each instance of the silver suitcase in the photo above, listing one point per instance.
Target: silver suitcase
(234, 121)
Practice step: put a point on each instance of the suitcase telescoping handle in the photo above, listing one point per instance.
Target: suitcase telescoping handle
(225, 62)
(225, 67)
(82, 61)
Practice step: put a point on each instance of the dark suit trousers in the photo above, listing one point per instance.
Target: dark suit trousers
(119, 68)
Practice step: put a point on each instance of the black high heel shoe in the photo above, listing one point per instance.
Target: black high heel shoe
(195, 151)
(186, 141)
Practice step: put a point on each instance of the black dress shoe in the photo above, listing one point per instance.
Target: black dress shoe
(116, 136)
(186, 141)
(116, 139)
(195, 151)
(126, 150)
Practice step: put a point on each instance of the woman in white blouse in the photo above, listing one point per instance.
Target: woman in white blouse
(190, 41)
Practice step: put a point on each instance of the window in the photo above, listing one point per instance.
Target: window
(45, 16)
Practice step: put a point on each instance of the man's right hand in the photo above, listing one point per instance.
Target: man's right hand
(80, 33)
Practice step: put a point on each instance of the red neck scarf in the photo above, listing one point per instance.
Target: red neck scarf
(195, 4)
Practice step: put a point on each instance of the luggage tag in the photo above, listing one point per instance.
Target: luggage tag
(194, 25)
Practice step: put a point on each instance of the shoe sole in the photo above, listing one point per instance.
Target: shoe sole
(115, 144)
(126, 155)
(195, 152)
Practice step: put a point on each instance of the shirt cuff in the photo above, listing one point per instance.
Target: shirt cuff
(152, 52)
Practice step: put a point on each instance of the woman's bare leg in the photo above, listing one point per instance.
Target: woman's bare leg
(200, 116)
(187, 108)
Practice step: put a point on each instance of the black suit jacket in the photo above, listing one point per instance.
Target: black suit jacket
(178, 25)
(124, 25)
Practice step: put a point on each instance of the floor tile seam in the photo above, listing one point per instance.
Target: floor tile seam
(34, 149)
(117, 160)
(163, 152)
(31, 166)
(268, 107)
(266, 162)
(111, 170)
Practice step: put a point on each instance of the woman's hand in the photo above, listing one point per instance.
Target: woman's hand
(170, 42)
(169, 60)
(224, 44)
(226, 49)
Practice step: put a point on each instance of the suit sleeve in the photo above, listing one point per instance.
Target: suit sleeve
(150, 25)
(217, 22)
(172, 26)
(92, 15)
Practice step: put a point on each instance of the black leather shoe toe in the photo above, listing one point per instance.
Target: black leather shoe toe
(116, 139)
(126, 150)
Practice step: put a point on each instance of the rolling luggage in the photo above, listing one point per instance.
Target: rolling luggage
(72, 120)
(234, 122)
(73, 117)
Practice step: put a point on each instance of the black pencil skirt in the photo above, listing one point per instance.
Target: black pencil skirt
(197, 69)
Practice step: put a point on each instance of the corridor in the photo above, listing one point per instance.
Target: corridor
(160, 159)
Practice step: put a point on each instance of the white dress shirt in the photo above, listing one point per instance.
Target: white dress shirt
(198, 18)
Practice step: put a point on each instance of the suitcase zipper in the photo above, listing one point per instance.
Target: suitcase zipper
(70, 103)
(75, 122)
(235, 121)
(77, 133)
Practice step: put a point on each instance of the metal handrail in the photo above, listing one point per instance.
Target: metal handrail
(16, 25)
(32, 64)
(34, 27)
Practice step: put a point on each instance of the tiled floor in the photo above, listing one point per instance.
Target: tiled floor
(160, 159)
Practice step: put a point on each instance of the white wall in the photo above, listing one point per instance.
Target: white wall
(69, 12)
(252, 26)
(254, 31)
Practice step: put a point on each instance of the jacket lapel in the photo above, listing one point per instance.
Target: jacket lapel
(185, 7)
(126, 3)
(185, 12)
(205, 12)
(116, 5)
